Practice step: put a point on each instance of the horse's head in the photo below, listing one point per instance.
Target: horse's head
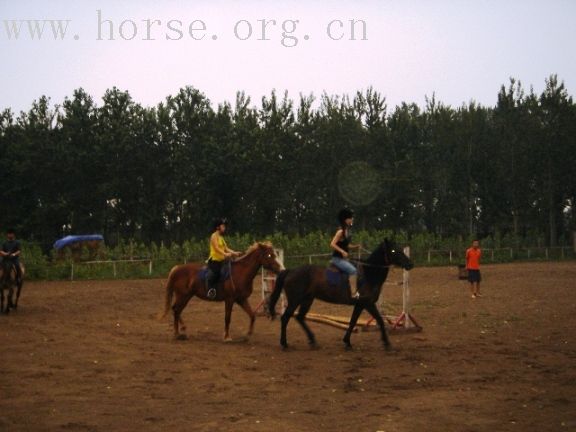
(268, 258)
(394, 255)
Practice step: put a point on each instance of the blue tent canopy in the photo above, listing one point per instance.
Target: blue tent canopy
(65, 241)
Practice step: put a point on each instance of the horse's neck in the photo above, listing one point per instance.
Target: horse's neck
(382, 276)
(376, 276)
(250, 265)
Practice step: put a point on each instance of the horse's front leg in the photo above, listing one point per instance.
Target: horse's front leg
(373, 310)
(248, 309)
(227, 319)
(353, 320)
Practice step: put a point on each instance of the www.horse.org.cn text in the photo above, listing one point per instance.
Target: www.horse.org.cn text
(288, 33)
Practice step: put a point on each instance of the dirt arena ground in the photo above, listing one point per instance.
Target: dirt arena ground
(89, 356)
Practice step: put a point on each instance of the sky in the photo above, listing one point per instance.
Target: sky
(407, 50)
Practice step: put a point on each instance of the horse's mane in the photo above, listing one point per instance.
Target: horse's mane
(254, 247)
(377, 255)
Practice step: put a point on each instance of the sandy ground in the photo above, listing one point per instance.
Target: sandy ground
(89, 356)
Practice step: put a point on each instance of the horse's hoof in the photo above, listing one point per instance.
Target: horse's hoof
(181, 337)
(348, 347)
(387, 347)
(284, 347)
(228, 340)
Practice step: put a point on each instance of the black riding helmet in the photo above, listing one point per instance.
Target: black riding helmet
(219, 221)
(344, 214)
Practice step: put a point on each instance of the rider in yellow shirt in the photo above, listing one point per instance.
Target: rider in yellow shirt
(219, 252)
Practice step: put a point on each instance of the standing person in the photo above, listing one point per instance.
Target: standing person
(10, 253)
(473, 255)
(219, 251)
(342, 243)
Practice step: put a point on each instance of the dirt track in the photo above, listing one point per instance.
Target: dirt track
(88, 356)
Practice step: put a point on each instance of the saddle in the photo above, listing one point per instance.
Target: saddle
(212, 291)
(337, 277)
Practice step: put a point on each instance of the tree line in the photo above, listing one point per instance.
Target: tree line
(163, 173)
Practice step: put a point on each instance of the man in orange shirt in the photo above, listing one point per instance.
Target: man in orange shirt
(473, 255)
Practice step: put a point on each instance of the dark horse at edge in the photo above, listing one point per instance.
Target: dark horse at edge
(8, 281)
(303, 284)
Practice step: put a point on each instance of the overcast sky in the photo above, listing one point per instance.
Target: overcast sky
(405, 49)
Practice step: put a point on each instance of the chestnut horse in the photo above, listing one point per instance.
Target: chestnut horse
(8, 282)
(303, 284)
(188, 280)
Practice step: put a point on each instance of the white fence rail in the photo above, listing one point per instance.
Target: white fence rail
(427, 256)
(108, 262)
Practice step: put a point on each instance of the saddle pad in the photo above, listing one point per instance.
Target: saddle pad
(224, 272)
(336, 277)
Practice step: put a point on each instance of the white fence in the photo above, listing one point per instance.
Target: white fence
(429, 256)
(113, 263)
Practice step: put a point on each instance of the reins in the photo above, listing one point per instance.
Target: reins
(366, 264)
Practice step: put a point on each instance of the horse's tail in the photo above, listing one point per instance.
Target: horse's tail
(169, 294)
(276, 293)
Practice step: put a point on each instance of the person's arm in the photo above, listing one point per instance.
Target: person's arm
(232, 252)
(335, 240)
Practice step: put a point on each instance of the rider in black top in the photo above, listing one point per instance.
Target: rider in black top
(341, 244)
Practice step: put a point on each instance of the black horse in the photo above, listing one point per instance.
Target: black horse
(9, 281)
(303, 284)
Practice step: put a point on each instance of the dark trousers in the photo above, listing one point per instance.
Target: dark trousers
(215, 269)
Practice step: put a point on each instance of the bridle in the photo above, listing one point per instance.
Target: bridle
(267, 253)
(263, 250)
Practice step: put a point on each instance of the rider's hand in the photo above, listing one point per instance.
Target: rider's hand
(345, 254)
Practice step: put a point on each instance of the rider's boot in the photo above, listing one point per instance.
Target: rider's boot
(211, 285)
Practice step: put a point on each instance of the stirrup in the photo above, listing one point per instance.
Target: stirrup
(211, 294)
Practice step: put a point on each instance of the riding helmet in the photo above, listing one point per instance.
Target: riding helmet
(344, 214)
(218, 222)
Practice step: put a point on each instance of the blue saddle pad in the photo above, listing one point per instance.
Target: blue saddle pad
(337, 278)
(224, 272)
